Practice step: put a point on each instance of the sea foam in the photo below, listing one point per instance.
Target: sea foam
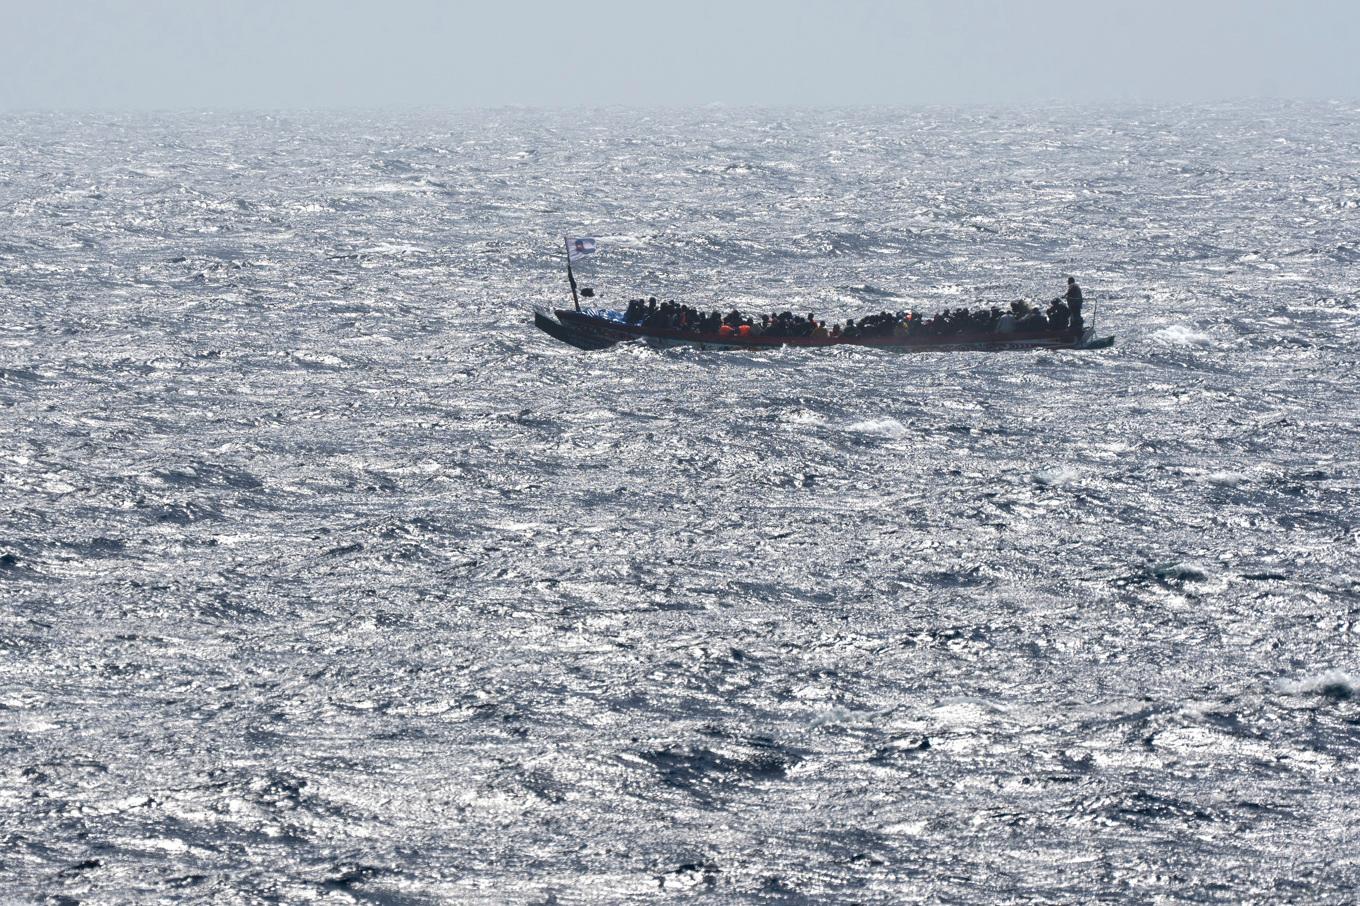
(1333, 683)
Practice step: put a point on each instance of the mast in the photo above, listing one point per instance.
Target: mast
(571, 278)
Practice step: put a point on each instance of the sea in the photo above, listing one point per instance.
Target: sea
(326, 577)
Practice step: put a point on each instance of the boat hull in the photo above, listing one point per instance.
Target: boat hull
(592, 330)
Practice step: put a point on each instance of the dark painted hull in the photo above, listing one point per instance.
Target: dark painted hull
(575, 336)
(586, 330)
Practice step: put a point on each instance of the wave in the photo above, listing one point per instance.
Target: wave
(1180, 335)
(1334, 684)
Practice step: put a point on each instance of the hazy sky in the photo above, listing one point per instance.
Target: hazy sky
(402, 53)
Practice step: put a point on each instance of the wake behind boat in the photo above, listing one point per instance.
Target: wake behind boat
(1022, 326)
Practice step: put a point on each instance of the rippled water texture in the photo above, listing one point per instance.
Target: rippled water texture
(325, 576)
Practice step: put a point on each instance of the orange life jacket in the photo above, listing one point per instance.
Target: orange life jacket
(744, 330)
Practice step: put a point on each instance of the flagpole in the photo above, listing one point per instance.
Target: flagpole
(571, 278)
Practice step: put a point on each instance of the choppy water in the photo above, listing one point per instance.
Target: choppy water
(325, 576)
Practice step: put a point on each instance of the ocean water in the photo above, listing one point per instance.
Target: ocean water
(326, 577)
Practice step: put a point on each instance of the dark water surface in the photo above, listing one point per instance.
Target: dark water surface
(326, 577)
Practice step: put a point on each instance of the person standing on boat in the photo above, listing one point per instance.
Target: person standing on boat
(1074, 301)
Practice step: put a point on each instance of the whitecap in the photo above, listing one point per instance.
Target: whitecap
(802, 417)
(883, 427)
(596, 416)
(1333, 683)
(317, 359)
(1180, 571)
(1057, 476)
(1180, 335)
(833, 716)
(1226, 479)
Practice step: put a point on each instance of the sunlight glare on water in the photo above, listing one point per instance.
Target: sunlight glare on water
(325, 575)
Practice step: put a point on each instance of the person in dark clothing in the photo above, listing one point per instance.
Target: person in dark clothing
(1034, 322)
(1074, 301)
(1058, 315)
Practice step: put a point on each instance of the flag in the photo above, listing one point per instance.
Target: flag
(579, 248)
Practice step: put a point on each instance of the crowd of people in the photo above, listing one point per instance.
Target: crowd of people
(1062, 314)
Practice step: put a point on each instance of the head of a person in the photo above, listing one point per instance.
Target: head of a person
(1071, 280)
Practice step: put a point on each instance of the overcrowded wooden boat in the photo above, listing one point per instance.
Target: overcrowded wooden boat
(597, 328)
(1024, 326)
